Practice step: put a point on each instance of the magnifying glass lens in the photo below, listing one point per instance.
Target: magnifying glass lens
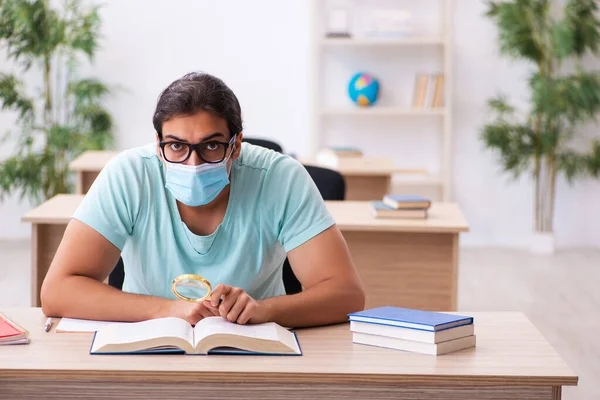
(192, 288)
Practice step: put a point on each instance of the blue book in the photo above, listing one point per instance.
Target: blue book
(213, 335)
(406, 201)
(413, 319)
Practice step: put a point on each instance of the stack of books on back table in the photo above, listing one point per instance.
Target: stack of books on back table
(417, 331)
(401, 206)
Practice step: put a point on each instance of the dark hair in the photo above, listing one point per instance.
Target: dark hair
(195, 92)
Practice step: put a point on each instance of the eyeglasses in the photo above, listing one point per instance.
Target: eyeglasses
(211, 152)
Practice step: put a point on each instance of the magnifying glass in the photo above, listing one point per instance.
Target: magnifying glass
(191, 287)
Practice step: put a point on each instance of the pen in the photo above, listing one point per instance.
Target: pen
(48, 324)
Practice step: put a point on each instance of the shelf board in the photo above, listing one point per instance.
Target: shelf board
(367, 42)
(379, 111)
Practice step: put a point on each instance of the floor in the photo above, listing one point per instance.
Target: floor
(558, 293)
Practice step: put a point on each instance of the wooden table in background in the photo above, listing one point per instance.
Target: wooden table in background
(48, 223)
(88, 165)
(406, 263)
(511, 361)
(370, 181)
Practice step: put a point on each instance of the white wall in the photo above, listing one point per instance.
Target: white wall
(261, 49)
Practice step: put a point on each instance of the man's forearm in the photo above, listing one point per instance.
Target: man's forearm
(326, 303)
(86, 298)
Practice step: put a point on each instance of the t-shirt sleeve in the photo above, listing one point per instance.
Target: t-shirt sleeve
(112, 204)
(298, 210)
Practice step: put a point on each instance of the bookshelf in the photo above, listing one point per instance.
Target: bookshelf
(414, 138)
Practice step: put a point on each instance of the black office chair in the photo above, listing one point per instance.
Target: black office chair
(264, 143)
(332, 186)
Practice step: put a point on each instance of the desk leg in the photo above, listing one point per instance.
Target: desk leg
(85, 180)
(45, 241)
(403, 269)
(556, 392)
(367, 187)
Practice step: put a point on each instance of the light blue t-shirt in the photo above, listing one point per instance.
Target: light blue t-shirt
(274, 207)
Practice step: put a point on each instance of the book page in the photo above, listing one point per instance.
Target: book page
(212, 325)
(121, 333)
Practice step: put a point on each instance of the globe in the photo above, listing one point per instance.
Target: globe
(363, 89)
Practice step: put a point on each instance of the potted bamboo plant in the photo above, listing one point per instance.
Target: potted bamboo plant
(63, 116)
(563, 95)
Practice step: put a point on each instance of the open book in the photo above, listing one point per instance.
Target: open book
(211, 335)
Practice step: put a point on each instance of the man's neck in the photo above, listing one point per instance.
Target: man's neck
(204, 220)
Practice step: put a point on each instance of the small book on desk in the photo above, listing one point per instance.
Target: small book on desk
(409, 318)
(399, 202)
(11, 332)
(213, 335)
(382, 210)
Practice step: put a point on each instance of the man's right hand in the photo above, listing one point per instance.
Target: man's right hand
(192, 312)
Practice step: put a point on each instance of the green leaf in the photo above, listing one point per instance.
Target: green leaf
(563, 39)
(13, 98)
(514, 144)
(83, 28)
(500, 105)
(520, 25)
(31, 29)
(581, 18)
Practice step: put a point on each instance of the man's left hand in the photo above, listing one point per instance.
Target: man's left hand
(236, 305)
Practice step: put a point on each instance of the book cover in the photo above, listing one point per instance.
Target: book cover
(409, 318)
(406, 201)
(382, 210)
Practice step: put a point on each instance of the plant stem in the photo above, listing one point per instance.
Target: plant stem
(48, 91)
(552, 193)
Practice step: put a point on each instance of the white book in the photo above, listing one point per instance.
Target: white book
(416, 347)
(416, 335)
(212, 335)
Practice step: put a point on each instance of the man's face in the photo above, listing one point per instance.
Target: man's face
(203, 127)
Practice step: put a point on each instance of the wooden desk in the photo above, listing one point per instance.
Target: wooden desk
(48, 223)
(404, 263)
(407, 263)
(511, 361)
(371, 181)
(88, 165)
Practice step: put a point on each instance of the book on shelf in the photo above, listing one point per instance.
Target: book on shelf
(420, 93)
(212, 335)
(398, 201)
(11, 332)
(437, 96)
(382, 210)
(419, 331)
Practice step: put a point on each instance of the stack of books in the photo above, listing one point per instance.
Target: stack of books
(419, 331)
(11, 332)
(401, 206)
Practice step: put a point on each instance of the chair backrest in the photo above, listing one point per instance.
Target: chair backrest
(332, 186)
(264, 143)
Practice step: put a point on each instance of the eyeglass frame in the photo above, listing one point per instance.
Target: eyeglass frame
(196, 147)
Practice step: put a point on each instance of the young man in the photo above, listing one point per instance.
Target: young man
(199, 201)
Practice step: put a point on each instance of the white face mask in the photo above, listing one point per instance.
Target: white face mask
(197, 185)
